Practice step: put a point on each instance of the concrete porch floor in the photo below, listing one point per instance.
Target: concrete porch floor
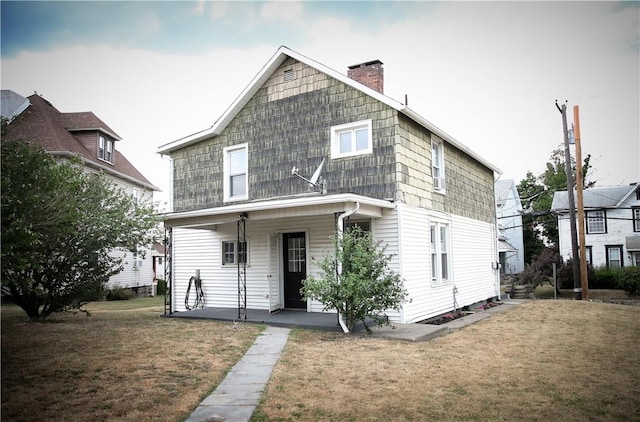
(282, 318)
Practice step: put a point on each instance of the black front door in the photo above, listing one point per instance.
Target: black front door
(295, 269)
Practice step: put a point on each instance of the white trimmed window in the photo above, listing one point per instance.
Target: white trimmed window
(596, 222)
(351, 139)
(440, 253)
(234, 252)
(236, 173)
(137, 260)
(636, 218)
(105, 149)
(437, 164)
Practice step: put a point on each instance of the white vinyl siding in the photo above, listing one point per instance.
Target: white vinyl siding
(473, 250)
(201, 249)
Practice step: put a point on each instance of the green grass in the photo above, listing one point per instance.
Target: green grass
(137, 303)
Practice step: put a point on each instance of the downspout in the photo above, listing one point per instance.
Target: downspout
(496, 251)
(341, 218)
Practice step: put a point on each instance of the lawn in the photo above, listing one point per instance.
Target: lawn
(123, 363)
(543, 360)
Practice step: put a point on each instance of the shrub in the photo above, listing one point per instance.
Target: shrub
(162, 287)
(606, 278)
(629, 279)
(565, 276)
(119, 293)
(365, 286)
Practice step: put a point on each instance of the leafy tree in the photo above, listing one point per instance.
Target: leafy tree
(59, 224)
(365, 286)
(536, 193)
(529, 189)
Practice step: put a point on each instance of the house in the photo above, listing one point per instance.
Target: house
(84, 135)
(612, 225)
(510, 234)
(249, 219)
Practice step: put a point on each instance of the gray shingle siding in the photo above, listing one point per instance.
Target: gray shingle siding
(287, 123)
(291, 131)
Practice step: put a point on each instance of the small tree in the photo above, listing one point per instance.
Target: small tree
(59, 225)
(357, 281)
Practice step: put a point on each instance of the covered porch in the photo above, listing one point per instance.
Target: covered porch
(275, 242)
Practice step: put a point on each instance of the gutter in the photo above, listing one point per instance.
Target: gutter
(341, 218)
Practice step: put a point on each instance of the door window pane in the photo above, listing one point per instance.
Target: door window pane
(297, 255)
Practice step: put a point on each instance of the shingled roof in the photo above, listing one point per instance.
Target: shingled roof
(41, 123)
(598, 197)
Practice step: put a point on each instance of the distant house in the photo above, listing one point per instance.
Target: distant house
(510, 233)
(83, 134)
(612, 225)
(250, 227)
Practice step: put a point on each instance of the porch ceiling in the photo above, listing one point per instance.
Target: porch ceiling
(300, 206)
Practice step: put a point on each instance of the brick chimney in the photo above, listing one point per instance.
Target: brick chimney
(370, 74)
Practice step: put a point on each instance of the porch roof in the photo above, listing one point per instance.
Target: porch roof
(298, 206)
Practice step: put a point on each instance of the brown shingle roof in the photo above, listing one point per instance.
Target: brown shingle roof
(85, 120)
(42, 124)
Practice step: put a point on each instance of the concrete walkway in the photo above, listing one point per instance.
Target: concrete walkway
(238, 394)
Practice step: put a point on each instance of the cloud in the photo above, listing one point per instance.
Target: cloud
(486, 73)
(289, 11)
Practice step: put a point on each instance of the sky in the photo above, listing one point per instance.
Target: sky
(487, 73)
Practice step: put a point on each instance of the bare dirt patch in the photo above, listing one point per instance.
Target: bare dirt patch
(123, 363)
(541, 361)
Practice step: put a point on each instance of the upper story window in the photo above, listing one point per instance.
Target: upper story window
(105, 149)
(236, 172)
(636, 218)
(437, 164)
(596, 222)
(351, 139)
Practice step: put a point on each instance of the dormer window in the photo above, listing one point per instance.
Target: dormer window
(105, 149)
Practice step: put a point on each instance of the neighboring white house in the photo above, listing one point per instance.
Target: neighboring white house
(510, 234)
(612, 225)
(251, 228)
(83, 135)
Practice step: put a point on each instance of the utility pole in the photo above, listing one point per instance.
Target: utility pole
(584, 280)
(577, 286)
